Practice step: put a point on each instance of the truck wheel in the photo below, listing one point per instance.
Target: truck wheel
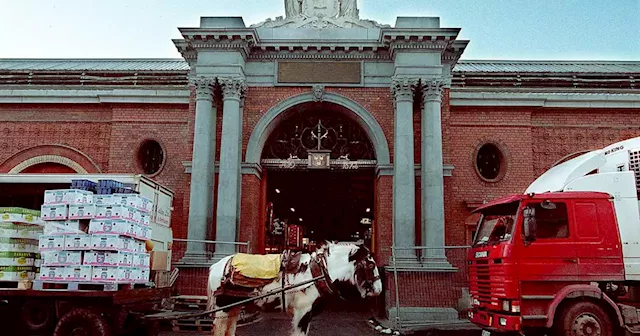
(38, 316)
(82, 322)
(583, 319)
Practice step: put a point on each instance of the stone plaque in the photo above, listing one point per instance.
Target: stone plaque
(319, 72)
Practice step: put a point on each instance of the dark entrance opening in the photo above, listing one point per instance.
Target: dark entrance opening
(326, 205)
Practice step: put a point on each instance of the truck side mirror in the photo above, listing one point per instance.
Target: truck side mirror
(530, 226)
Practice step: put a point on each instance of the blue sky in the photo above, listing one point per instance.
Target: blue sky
(498, 29)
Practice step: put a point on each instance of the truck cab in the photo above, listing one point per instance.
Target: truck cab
(564, 255)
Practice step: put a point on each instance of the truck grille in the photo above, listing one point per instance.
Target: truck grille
(487, 282)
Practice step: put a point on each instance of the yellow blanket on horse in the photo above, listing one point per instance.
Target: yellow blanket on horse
(257, 266)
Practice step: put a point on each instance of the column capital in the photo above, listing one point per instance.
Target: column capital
(432, 89)
(403, 88)
(203, 86)
(232, 87)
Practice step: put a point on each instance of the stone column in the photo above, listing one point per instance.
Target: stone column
(403, 90)
(227, 214)
(202, 171)
(432, 184)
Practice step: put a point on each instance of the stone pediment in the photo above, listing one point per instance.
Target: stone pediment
(318, 23)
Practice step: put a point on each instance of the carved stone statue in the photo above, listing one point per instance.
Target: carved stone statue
(292, 8)
(349, 9)
(320, 14)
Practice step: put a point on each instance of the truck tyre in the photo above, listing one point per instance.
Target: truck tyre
(583, 319)
(82, 322)
(38, 317)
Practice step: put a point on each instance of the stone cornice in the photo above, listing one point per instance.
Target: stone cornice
(554, 97)
(87, 96)
(452, 54)
(247, 168)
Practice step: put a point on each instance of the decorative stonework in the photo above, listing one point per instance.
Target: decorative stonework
(48, 159)
(204, 87)
(232, 87)
(320, 14)
(403, 88)
(432, 89)
(318, 92)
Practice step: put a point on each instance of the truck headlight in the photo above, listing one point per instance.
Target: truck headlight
(502, 321)
(506, 305)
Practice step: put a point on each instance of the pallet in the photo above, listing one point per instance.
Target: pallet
(206, 324)
(17, 285)
(42, 285)
(190, 302)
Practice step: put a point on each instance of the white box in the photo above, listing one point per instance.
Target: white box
(144, 275)
(54, 196)
(143, 232)
(68, 196)
(55, 212)
(100, 200)
(85, 211)
(51, 243)
(134, 200)
(78, 273)
(145, 219)
(63, 227)
(112, 226)
(124, 274)
(112, 243)
(62, 258)
(104, 258)
(141, 260)
(77, 242)
(52, 273)
(104, 273)
(118, 212)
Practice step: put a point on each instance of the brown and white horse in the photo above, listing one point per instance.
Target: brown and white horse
(340, 264)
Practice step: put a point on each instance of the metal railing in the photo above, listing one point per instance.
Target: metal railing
(455, 255)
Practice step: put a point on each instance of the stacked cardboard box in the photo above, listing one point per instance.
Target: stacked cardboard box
(95, 237)
(19, 232)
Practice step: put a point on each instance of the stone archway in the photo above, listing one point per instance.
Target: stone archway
(54, 154)
(272, 118)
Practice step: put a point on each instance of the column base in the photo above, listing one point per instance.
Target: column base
(217, 256)
(194, 259)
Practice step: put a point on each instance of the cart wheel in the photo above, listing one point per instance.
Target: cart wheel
(82, 322)
(38, 316)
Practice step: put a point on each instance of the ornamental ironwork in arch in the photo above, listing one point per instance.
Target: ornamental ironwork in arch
(311, 130)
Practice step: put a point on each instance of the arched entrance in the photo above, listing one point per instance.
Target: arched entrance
(320, 175)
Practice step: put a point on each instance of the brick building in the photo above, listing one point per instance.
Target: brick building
(351, 129)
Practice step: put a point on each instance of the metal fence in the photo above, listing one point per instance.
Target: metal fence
(180, 247)
(444, 289)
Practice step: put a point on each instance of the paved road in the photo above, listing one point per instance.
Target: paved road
(326, 324)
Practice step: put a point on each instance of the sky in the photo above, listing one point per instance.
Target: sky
(498, 29)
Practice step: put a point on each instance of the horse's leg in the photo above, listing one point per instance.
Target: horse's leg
(232, 321)
(302, 319)
(220, 324)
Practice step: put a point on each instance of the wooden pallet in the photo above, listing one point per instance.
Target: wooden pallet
(206, 324)
(190, 302)
(84, 286)
(17, 284)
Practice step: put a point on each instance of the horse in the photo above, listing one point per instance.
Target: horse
(344, 265)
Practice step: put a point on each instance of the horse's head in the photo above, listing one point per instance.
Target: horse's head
(354, 263)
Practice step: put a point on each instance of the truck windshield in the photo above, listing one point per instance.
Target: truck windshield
(496, 224)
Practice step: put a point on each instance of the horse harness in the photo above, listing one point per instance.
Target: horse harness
(365, 270)
(318, 267)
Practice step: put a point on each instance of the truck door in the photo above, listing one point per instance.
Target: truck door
(597, 248)
(551, 256)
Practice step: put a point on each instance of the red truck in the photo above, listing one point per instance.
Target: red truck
(564, 257)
